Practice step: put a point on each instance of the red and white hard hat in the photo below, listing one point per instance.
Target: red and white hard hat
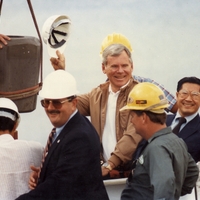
(55, 33)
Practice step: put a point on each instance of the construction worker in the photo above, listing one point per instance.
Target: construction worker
(70, 168)
(164, 169)
(16, 155)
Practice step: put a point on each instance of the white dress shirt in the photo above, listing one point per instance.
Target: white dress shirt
(16, 156)
(109, 135)
(109, 139)
(188, 119)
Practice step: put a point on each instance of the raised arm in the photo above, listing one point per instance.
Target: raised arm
(59, 62)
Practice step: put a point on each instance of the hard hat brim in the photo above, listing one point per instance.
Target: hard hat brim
(157, 110)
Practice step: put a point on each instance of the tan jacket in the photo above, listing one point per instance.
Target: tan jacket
(94, 104)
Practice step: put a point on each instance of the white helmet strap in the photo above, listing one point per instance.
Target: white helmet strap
(7, 114)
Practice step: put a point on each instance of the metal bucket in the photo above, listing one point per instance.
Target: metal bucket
(19, 71)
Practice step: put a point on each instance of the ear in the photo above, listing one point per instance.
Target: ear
(74, 103)
(103, 68)
(176, 95)
(14, 132)
(132, 66)
(144, 118)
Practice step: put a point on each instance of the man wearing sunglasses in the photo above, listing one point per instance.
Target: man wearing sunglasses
(70, 168)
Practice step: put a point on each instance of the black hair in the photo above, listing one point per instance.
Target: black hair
(191, 79)
(154, 117)
(5, 122)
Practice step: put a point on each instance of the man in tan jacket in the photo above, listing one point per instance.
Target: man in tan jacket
(118, 138)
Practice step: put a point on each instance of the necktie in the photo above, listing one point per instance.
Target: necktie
(48, 145)
(176, 129)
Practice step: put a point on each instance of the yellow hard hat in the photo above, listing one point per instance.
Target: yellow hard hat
(148, 97)
(115, 38)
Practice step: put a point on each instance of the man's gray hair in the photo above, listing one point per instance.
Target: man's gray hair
(115, 50)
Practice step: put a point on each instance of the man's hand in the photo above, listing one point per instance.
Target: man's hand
(3, 40)
(58, 63)
(33, 179)
(104, 171)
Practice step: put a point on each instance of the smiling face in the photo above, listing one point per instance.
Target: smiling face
(59, 116)
(188, 104)
(118, 70)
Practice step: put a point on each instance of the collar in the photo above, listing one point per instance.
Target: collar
(159, 133)
(6, 137)
(59, 129)
(188, 118)
(110, 89)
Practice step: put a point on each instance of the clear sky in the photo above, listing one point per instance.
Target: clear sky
(165, 36)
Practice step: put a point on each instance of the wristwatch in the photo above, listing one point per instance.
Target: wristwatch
(107, 166)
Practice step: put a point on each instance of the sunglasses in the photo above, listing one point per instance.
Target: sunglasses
(56, 103)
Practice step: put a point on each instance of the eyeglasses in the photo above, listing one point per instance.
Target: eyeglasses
(56, 103)
(184, 94)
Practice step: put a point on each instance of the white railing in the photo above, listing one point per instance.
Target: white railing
(114, 187)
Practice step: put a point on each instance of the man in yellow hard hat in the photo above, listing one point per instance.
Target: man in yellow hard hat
(164, 169)
(118, 138)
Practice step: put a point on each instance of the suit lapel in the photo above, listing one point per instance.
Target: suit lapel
(170, 119)
(67, 128)
(190, 128)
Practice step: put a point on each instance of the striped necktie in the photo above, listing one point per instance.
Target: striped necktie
(48, 145)
(176, 129)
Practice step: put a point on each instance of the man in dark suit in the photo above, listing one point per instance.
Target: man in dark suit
(71, 166)
(188, 100)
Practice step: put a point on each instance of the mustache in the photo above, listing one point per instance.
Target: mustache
(53, 111)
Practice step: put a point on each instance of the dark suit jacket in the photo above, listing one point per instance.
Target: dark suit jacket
(72, 167)
(190, 134)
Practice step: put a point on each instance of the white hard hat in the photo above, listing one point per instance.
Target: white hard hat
(55, 33)
(9, 104)
(58, 84)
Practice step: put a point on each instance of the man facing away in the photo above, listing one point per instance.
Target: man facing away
(16, 156)
(188, 101)
(117, 135)
(164, 169)
(70, 169)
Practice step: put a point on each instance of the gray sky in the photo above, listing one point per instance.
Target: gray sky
(164, 36)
